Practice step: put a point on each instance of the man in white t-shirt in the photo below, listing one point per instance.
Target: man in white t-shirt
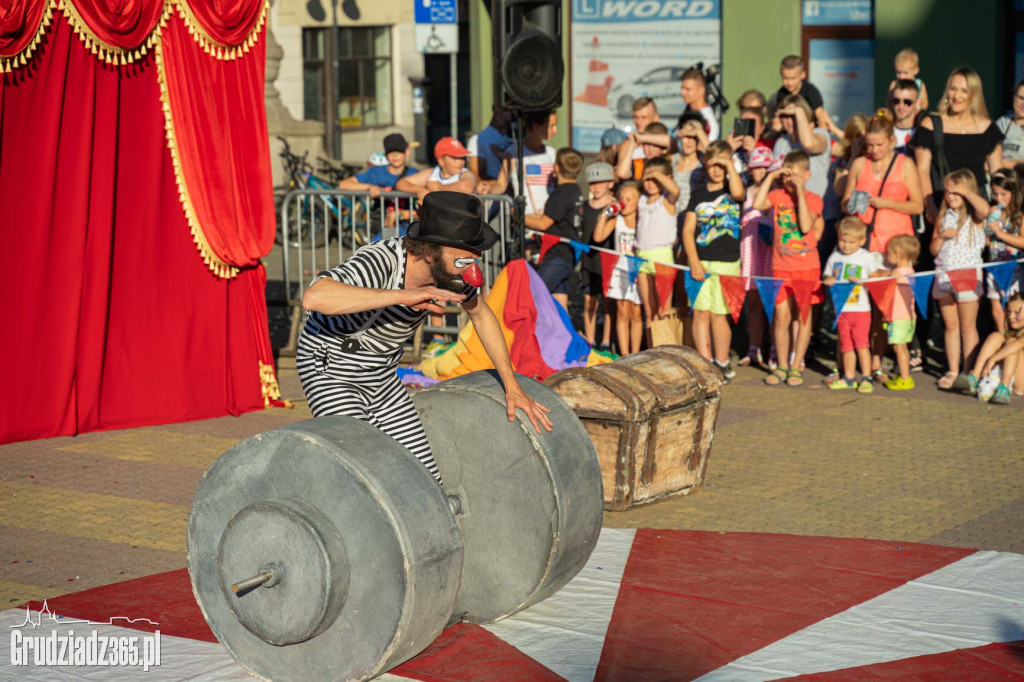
(903, 105)
(538, 160)
(694, 91)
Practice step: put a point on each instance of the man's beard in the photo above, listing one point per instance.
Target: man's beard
(444, 279)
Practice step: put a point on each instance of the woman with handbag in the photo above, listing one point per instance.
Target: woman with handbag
(961, 135)
(884, 191)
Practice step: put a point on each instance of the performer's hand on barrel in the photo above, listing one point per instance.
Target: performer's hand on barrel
(430, 298)
(515, 397)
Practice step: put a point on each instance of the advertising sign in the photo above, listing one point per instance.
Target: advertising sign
(626, 49)
(837, 13)
(844, 71)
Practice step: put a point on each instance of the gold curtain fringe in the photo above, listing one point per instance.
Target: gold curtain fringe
(210, 259)
(110, 54)
(269, 385)
(15, 61)
(214, 48)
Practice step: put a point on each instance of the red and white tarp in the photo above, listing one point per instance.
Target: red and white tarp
(664, 605)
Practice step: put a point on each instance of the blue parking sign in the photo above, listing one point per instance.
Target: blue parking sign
(436, 11)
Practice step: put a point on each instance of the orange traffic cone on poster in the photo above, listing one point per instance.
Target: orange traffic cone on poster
(599, 82)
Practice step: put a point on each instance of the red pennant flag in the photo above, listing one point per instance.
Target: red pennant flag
(883, 293)
(546, 242)
(664, 282)
(963, 280)
(734, 289)
(803, 292)
(608, 263)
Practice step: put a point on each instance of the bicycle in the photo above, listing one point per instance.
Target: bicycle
(310, 226)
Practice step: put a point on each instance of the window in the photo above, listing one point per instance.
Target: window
(363, 78)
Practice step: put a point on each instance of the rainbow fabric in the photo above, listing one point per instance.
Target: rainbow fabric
(538, 332)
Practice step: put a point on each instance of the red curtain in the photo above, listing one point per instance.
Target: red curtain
(110, 317)
(223, 146)
(121, 24)
(19, 22)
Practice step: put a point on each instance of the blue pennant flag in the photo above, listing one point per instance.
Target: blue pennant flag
(693, 286)
(1003, 275)
(840, 292)
(768, 289)
(579, 248)
(922, 286)
(633, 263)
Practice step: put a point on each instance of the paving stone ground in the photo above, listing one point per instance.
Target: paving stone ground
(923, 466)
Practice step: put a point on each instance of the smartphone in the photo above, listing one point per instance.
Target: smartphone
(743, 127)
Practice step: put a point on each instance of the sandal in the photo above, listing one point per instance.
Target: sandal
(833, 376)
(776, 378)
(795, 378)
(946, 381)
(916, 361)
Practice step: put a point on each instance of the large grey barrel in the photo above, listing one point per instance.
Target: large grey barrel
(353, 554)
(531, 504)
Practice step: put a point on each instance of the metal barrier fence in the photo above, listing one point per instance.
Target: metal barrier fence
(319, 229)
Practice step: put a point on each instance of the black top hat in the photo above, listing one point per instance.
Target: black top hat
(453, 219)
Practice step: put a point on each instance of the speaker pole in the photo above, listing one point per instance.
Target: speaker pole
(519, 120)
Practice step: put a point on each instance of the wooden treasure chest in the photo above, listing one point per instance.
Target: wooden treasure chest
(652, 418)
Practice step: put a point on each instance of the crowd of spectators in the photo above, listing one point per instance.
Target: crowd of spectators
(790, 204)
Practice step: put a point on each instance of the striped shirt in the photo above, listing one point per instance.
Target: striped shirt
(382, 332)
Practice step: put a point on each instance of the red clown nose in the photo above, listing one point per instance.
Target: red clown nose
(472, 276)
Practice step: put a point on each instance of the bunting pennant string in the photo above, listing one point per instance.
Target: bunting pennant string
(963, 280)
(883, 293)
(693, 287)
(547, 241)
(922, 286)
(803, 294)
(634, 264)
(768, 290)
(840, 294)
(609, 259)
(1002, 273)
(734, 290)
(578, 249)
(664, 282)
(883, 288)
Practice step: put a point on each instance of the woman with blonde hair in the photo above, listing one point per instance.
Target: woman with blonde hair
(969, 139)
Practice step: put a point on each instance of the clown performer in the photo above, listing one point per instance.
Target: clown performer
(363, 311)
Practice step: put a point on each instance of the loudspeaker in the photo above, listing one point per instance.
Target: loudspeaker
(527, 54)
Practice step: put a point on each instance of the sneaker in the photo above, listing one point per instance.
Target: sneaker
(839, 383)
(880, 376)
(434, 348)
(1001, 396)
(900, 384)
(727, 370)
(773, 362)
(866, 385)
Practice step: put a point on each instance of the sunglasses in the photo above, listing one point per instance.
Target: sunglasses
(904, 102)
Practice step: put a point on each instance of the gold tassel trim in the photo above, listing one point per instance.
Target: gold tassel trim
(214, 48)
(104, 51)
(14, 61)
(271, 391)
(216, 265)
